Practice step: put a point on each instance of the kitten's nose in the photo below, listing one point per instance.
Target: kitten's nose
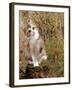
(29, 31)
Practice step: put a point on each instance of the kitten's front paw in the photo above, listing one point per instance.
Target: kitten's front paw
(35, 64)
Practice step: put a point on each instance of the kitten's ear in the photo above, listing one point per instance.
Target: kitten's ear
(24, 30)
(28, 26)
(28, 21)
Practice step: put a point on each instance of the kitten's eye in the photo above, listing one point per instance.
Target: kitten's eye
(33, 28)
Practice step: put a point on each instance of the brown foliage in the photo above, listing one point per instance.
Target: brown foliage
(51, 29)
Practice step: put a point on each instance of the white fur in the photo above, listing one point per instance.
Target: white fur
(34, 36)
(32, 40)
(35, 62)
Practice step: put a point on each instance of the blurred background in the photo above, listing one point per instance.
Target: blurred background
(51, 29)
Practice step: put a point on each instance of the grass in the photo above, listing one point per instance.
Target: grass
(51, 29)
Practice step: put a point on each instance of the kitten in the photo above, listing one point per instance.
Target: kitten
(35, 48)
